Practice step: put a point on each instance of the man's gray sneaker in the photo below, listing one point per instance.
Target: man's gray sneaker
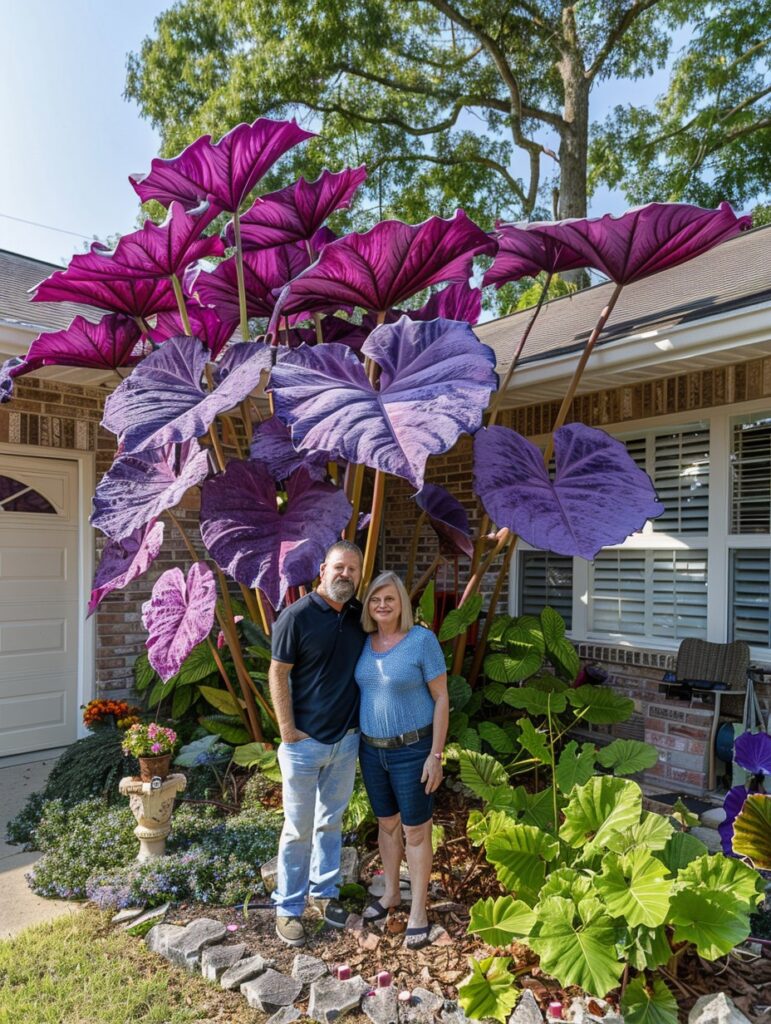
(334, 912)
(290, 930)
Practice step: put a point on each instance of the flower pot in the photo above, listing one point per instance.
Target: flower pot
(151, 766)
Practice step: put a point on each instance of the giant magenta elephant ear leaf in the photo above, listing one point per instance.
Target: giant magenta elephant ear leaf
(164, 401)
(598, 495)
(435, 383)
(105, 345)
(160, 250)
(525, 251)
(139, 487)
(224, 172)
(205, 323)
(448, 519)
(257, 544)
(388, 264)
(295, 213)
(272, 445)
(125, 560)
(94, 280)
(178, 616)
(265, 273)
(457, 301)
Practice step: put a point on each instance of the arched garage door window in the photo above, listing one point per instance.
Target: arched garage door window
(16, 496)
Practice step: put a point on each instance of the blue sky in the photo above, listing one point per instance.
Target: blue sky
(69, 138)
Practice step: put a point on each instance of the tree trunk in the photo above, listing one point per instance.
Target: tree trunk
(574, 142)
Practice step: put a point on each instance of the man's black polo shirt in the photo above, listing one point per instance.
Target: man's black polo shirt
(322, 646)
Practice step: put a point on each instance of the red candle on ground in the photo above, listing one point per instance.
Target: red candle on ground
(343, 972)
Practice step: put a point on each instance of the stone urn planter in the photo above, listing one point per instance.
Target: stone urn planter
(151, 804)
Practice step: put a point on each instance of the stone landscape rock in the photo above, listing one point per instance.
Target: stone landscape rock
(271, 990)
(349, 865)
(308, 968)
(377, 885)
(709, 836)
(453, 1014)
(713, 817)
(285, 1015)
(268, 872)
(160, 935)
(421, 1008)
(381, 1005)
(128, 914)
(527, 1010)
(235, 976)
(153, 914)
(215, 960)
(716, 1008)
(439, 936)
(331, 998)
(186, 949)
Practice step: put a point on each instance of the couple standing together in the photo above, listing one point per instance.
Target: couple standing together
(351, 681)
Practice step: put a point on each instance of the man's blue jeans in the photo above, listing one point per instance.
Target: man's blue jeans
(317, 785)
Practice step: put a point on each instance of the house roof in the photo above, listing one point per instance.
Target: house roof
(732, 276)
(20, 273)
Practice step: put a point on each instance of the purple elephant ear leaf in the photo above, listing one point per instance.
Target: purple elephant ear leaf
(205, 323)
(257, 545)
(125, 560)
(224, 171)
(105, 345)
(95, 281)
(598, 497)
(733, 803)
(448, 519)
(10, 370)
(178, 616)
(436, 380)
(525, 251)
(272, 445)
(265, 272)
(455, 302)
(160, 250)
(388, 264)
(295, 213)
(164, 401)
(138, 488)
(752, 751)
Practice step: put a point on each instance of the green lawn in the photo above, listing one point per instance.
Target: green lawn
(80, 971)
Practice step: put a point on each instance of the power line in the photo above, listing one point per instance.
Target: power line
(48, 227)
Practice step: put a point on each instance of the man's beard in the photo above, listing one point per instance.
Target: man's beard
(340, 590)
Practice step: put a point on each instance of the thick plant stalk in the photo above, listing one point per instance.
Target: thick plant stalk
(357, 482)
(373, 533)
(423, 581)
(414, 549)
(357, 479)
(479, 651)
(228, 684)
(217, 447)
(175, 283)
(240, 276)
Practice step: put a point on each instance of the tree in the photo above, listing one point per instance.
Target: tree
(708, 137)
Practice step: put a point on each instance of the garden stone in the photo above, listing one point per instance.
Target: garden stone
(382, 1005)
(186, 950)
(716, 1008)
(285, 1015)
(235, 976)
(439, 936)
(527, 1010)
(421, 1008)
(349, 865)
(153, 914)
(215, 960)
(271, 990)
(126, 915)
(453, 1014)
(710, 837)
(331, 998)
(377, 885)
(308, 969)
(269, 871)
(713, 817)
(160, 936)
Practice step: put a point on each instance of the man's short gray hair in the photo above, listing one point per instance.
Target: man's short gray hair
(343, 545)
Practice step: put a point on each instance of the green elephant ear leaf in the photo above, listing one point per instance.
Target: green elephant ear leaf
(647, 948)
(489, 990)
(499, 921)
(500, 741)
(533, 808)
(520, 855)
(600, 808)
(227, 727)
(714, 923)
(526, 632)
(752, 831)
(535, 701)
(574, 768)
(626, 757)
(600, 705)
(718, 874)
(481, 773)
(469, 740)
(680, 850)
(224, 702)
(568, 883)
(577, 945)
(533, 742)
(483, 825)
(512, 667)
(652, 1003)
(459, 619)
(561, 653)
(144, 673)
(634, 887)
(653, 832)
(459, 691)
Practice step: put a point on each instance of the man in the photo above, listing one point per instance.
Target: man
(316, 644)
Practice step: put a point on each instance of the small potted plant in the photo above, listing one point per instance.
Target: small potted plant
(153, 746)
(113, 714)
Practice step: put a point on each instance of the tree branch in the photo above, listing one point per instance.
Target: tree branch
(630, 14)
(447, 161)
(422, 90)
(744, 104)
(396, 122)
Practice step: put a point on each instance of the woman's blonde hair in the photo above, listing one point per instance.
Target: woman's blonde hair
(407, 621)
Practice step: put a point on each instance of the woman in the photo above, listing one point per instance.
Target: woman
(404, 711)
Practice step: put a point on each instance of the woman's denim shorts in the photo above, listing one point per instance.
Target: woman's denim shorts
(392, 780)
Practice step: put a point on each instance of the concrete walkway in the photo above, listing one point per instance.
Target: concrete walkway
(19, 906)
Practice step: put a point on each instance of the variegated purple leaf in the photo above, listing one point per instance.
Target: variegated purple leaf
(752, 751)
(10, 370)
(105, 345)
(138, 488)
(272, 445)
(225, 171)
(163, 250)
(647, 239)
(525, 251)
(125, 560)
(321, 238)
(256, 544)
(435, 383)
(448, 519)
(388, 264)
(295, 213)
(178, 616)
(164, 402)
(264, 273)
(241, 353)
(598, 496)
(732, 805)
(87, 280)
(205, 323)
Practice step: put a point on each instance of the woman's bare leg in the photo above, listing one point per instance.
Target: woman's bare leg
(419, 859)
(391, 846)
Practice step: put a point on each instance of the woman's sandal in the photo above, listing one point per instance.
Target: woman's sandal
(417, 938)
(380, 911)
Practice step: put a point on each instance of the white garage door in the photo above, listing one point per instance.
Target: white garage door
(39, 605)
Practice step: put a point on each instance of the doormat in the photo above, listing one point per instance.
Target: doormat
(694, 805)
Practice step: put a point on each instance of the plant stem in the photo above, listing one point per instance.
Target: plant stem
(319, 332)
(553, 763)
(373, 533)
(175, 283)
(228, 684)
(423, 581)
(240, 276)
(217, 447)
(414, 549)
(479, 651)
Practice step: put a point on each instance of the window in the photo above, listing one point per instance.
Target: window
(546, 579)
(750, 595)
(18, 497)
